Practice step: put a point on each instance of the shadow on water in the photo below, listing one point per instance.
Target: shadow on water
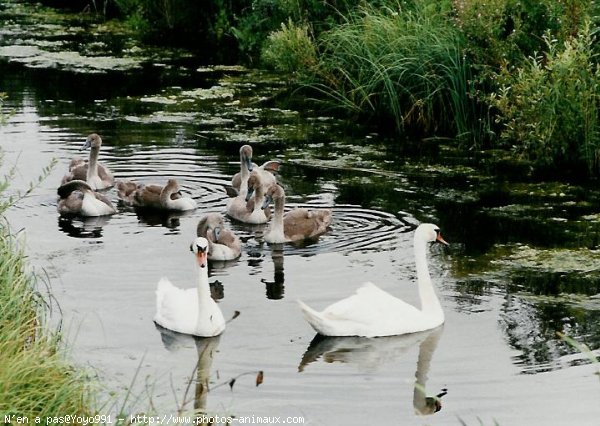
(368, 354)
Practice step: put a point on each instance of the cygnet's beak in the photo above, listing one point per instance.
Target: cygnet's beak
(249, 193)
(268, 199)
(249, 164)
(216, 233)
(86, 144)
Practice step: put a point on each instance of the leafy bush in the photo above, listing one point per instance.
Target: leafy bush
(549, 106)
(500, 31)
(291, 49)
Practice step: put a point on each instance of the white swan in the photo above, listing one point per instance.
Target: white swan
(372, 312)
(295, 225)
(78, 198)
(224, 244)
(94, 173)
(190, 311)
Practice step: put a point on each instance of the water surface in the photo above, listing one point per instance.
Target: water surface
(497, 357)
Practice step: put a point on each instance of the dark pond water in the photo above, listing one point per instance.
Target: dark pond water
(523, 263)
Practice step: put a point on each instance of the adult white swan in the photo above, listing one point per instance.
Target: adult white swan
(190, 311)
(95, 174)
(372, 312)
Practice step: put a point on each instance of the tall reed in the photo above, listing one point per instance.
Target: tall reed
(402, 62)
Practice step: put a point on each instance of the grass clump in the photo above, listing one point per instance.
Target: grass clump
(400, 64)
(35, 378)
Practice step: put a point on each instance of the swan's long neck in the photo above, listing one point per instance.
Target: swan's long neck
(430, 305)
(92, 170)
(203, 289)
(259, 197)
(244, 175)
(165, 196)
(277, 223)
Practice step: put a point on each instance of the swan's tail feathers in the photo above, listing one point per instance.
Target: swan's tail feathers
(313, 317)
(163, 289)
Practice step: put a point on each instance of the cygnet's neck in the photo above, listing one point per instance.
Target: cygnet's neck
(430, 305)
(277, 224)
(92, 171)
(244, 175)
(258, 197)
(165, 195)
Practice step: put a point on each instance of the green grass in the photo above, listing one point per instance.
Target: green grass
(35, 377)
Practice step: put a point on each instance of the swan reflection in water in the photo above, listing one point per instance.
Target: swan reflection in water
(168, 219)
(83, 227)
(370, 353)
(206, 348)
(275, 289)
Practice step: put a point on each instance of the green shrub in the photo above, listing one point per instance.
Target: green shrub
(259, 20)
(549, 106)
(291, 49)
(500, 31)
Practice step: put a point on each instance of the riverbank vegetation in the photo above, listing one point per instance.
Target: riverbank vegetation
(518, 75)
(35, 377)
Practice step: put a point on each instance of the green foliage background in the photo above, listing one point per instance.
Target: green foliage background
(461, 69)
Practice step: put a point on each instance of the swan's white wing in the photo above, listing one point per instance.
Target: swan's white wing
(176, 309)
(371, 312)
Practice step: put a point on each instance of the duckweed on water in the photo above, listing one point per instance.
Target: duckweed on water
(35, 57)
(547, 272)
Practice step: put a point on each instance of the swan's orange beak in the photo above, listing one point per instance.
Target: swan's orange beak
(202, 257)
(439, 239)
